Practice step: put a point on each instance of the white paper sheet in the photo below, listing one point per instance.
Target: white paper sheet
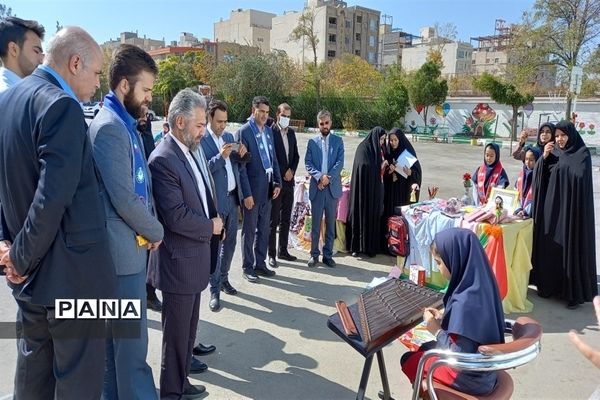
(405, 159)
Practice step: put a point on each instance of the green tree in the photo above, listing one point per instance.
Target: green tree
(306, 32)
(504, 93)
(426, 87)
(248, 76)
(5, 11)
(351, 75)
(393, 101)
(174, 74)
(560, 32)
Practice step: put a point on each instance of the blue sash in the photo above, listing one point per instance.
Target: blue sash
(138, 163)
(264, 155)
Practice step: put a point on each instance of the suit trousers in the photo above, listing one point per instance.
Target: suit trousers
(281, 214)
(255, 235)
(128, 375)
(323, 202)
(227, 246)
(57, 357)
(179, 323)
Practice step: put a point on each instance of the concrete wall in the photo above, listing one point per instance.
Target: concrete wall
(456, 57)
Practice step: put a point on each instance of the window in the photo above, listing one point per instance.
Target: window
(496, 60)
(371, 57)
(357, 52)
(348, 24)
(372, 24)
(473, 62)
(331, 53)
(259, 39)
(372, 41)
(487, 60)
(461, 54)
(346, 40)
(333, 20)
(359, 19)
(332, 38)
(358, 36)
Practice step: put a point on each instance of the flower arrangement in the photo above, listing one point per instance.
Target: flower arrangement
(467, 180)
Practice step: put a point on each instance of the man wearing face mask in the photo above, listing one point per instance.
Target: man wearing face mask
(324, 161)
(286, 150)
(132, 225)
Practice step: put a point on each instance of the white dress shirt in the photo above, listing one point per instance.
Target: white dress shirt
(228, 167)
(197, 174)
(7, 79)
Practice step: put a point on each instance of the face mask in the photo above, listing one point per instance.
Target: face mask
(284, 122)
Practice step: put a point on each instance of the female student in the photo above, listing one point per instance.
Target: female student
(545, 135)
(564, 249)
(524, 182)
(473, 311)
(490, 174)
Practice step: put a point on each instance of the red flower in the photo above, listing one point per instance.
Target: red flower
(582, 125)
(591, 126)
(467, 176)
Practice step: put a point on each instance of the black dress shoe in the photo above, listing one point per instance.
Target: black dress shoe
(287, 257)
(251, 277)
(329, 262)
(154, 305)
(197, 366)
(312, 262)
(227, 288)
(202, 350)
(193, 392)
(273, 262)
(264, 271)
(214, 304)
(354, 254)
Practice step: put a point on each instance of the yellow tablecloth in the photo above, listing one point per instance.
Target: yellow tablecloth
(518, 242)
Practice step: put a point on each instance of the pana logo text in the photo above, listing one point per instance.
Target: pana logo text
(98, 308)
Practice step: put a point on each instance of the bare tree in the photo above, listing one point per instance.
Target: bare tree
(306, 32)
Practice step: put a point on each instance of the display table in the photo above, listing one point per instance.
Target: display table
(508, 247)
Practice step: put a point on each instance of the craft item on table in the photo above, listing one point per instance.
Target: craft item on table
(416, 337)
(452, 208)
(417, 274)
(405, 159)
(433, 190)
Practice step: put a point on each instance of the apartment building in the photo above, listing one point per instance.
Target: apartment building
(456, 56)
(132, 38)
(340, 30)
(246, 27)
(391, 43)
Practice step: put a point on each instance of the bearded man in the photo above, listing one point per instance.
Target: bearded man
(133, 227)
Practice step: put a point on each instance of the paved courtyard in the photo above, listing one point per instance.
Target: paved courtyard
(272, 339)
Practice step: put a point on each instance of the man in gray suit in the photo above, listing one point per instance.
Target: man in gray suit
(217, 146)
(132, 226)
(52, 220)
(181, 266)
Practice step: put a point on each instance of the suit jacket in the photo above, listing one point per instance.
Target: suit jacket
(253, 177)
(126, 215)
(52, 207)
(335, 162)
(216, 165)
(182, 262)
(289, 160)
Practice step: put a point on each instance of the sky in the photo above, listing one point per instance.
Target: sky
(158, 19)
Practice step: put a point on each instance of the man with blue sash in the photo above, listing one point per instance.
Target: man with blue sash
(261, 182)
(132, 225)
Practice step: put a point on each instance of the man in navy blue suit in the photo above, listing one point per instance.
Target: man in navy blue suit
(324, 161)
(217, 146)
(53, 222)
(261, 182)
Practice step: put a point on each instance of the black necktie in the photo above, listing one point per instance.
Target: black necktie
(212, 210)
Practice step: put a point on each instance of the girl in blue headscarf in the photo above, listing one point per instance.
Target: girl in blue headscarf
(473, 311)
(490, 174)
(524, 183)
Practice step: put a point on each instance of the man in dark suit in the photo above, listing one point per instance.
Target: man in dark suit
(261, 182)
(181, 266)
(53, 221)
(217, 146)
(286, 149)
(324, 161)
(132, 225)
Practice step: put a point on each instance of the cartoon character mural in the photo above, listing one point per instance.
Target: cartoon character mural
(479, 123)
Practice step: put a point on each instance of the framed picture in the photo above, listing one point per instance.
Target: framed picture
(510, 198)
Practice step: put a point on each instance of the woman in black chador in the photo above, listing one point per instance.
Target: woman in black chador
(397, 187)
(564, 252)
(366, 196)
